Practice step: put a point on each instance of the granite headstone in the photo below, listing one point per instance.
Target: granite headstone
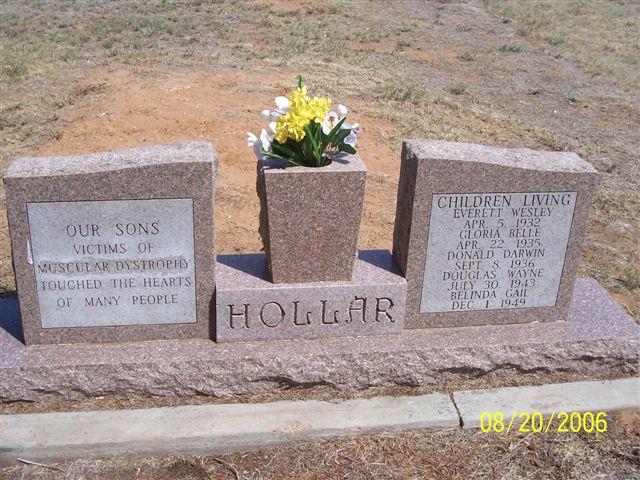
(114, 246)
(489, 235)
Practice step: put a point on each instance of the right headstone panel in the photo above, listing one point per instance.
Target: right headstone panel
(489, 235)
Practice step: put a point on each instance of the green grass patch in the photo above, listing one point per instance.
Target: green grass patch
(457, 88)
(467, 56)
(601, 36)
(23, 55)
(404, 90)
(368, 35)
(630, 278)
(511, 47)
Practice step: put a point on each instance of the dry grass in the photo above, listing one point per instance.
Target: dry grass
(452, 453)
(601, 35)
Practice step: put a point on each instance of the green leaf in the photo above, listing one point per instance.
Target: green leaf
(329, 139)
(317, 155)
(317, 135)
(295, 146)
(341, 135)
(299, 81)
(285, 151)
(287, 159)
(272, 155)
(343, 147)
(307, 152)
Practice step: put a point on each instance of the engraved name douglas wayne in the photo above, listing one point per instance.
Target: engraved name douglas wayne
(120, 262)
(273, 314)
(496, 250)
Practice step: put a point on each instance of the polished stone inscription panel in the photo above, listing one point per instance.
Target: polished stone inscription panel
(491, 251)
(108, 263)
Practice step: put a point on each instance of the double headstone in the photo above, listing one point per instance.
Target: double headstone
(119, 246)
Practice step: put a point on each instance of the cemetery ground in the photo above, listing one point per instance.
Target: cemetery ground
(449, 453)
(560, 75)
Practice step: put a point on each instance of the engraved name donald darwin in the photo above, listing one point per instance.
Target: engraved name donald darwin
(506, 247)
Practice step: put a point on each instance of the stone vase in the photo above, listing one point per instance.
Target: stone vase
(310, 218)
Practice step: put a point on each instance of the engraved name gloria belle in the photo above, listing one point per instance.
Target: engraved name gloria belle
(496, 250)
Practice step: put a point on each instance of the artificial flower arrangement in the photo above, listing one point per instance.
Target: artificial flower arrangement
(303, 131)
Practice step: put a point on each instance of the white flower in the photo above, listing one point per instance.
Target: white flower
(265, 140)
(355, 128)
(283, 105)
(269, 115)
(351, 139)
(261, 144)
(271, 129)
(330, 121)
(251, 139)
(253, 142)
(342, 111)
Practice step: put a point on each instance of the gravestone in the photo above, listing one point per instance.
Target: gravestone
(489, 235)
(175, 183)
(114, 246)
(250, 307)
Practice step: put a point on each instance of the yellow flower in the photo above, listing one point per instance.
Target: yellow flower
(299, 98)
(303, 111)
(318, 108)
(290, 125)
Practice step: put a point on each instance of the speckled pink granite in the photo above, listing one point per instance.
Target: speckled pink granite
(598, 338)
(181, 170)
(250, 307)
(436, 166)
(310, 218)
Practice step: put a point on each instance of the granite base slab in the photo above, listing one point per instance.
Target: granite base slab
(250, 307)
(598, 338)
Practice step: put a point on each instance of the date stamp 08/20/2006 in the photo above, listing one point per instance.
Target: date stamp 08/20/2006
(535, 422)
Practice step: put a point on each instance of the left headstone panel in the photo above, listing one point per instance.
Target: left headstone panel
(114, 246)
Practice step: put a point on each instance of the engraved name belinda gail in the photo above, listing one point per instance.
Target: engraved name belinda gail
(496, 250)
